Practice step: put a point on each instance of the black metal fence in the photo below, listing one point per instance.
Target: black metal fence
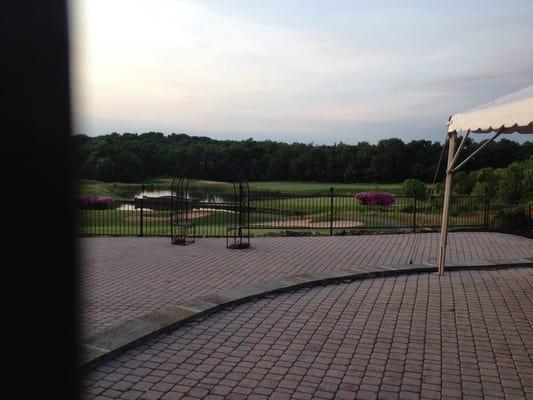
(271, 212)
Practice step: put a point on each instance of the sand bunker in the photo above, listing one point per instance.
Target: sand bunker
(307, 223)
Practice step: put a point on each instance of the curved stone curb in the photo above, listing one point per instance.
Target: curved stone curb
(111, 342)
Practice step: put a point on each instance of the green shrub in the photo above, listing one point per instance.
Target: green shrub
(414, 188)
(408, 209)
(485, 178)
(463, 183)
(527, 184)
(515, 219)
(510, 183)
(480, 189)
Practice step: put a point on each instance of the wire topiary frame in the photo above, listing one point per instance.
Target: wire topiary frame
(182, 229)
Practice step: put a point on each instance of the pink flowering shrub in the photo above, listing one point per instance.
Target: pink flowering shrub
(90, 202)
(375, 198)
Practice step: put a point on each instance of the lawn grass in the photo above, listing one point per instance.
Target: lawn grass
(122, 191)
(279, 215)
(118, 223)
(314, 187)
(127, 222)
(294, 210)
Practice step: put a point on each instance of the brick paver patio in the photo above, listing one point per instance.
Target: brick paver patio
(123, 278)
(465, 335)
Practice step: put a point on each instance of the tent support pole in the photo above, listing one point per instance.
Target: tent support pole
(460, 148)
(446, 206)
(477, 150)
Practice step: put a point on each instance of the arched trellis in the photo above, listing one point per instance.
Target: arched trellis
(183, 206)
(182, 230)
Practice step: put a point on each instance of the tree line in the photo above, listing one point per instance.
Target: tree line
(133, 157)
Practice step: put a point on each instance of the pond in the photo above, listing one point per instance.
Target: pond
(203, 196)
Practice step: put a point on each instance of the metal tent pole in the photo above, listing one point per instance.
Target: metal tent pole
(475, 152)
(446, 206)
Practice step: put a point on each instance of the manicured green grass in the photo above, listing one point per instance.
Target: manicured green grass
(120, 190)
(127, 222)
(296, 212)
(270, 220)
(310, 187)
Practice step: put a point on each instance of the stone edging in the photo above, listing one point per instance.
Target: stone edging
(113, 341)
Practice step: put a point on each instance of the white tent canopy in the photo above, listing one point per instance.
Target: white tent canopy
(508, 114)
(511, 113)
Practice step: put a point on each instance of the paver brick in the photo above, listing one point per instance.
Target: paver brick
(498, 302)
(123, 278)
(377, 338)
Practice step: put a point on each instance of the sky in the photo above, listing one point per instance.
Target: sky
(308, 71)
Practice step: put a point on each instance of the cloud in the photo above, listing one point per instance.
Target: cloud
(185, 66)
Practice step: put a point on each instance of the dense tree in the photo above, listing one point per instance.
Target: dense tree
(388, 161)
(513, 184)
(132, 157)
(510, 183)
(463, 183)
(527, 183)
(485, 182)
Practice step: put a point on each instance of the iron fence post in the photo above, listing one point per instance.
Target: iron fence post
(331, 211)
(142, 213)
(414, 215)
(486, 210)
